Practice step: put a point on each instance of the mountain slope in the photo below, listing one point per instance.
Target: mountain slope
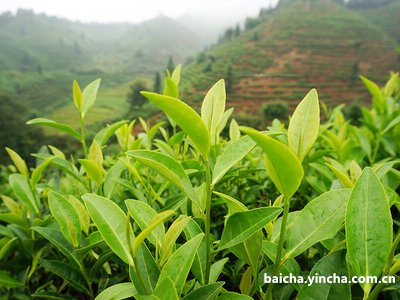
(302, 44)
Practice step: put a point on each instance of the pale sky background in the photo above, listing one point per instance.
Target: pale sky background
(135, 11)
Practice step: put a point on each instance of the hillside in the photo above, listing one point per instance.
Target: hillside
(300, 45)
(40, 56)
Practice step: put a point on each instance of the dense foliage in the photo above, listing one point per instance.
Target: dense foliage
(188, 213)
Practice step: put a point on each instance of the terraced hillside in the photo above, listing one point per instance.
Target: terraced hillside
(300, 45)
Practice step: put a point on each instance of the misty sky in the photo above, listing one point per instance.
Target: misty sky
(137, 10)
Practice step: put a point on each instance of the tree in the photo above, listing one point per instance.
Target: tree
(170, 65)
(157, 83)
(14, 133)
(134, 98)
(229, 79)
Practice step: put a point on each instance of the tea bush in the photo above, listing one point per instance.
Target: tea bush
(185, 213)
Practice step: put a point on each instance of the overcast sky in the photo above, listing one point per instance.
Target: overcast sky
(137, 10)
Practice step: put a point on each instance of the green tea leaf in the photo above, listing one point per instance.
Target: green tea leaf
(231, 155)
(377, 95)
(183, 257)
(118, 291)
(304, 125)
(334, 263)
(84, 218)
(234, 131)
(18, 162)
(89, 96)
(143, 214)
(22, 190)
(92, 170)
(106, 133)
(234, 205)
(166, 290)
(169, 168)
(66, 216)
(185, 117)
(241, 225)
(207, 292)
(77, 96)
(368, 227)
(112, 224)
(319, 220)
(213, 107)
(67, 272)
(57, 239)
(38, 172)
(171, 236)
(8, 282)
(50, 123)
(282, 165)
(155, 221)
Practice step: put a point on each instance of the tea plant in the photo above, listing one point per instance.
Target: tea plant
(187, 213)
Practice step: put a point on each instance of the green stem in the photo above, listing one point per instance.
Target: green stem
(386, 270)
(83, 138)
(278, 260)
(208, 221)
(376, 148)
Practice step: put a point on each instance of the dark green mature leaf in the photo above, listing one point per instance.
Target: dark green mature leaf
(167, 167)
(111, 221)
(334, 263)
(319, 220)
(249, 250)
(207, 292)
(118, 292)
(185, 117)
(231, 155)
(9, 282)
(183, 257)
(50, 123)
(67, 272)
(240, 226)
(369, 227)
(21, 188)
(304, 125)
(57, 239)
(282, 165)
(66, 216)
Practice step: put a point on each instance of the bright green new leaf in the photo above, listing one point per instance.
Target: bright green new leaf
(169, 168)
(231, 155)
(304, 125)
(6, 247)
(106, 133)
(234, 131)
(92, 170)
(213, 107)
(242, 225)
(77, 96)
(176, 74)
(157, 220)
(118, 291)
(50, 123)
(319, 220)
(89, 96)
(171, 236)
(143, 214)
(178, 265)
(166, 290)
(112, 224)
(18, 162)
(369, 227)
(66, 216)
(234, 205)
(96, 154)
(84, 218)
(185, 117)
(282, 165)
(377, 95)
(22, 190)
(38, 172)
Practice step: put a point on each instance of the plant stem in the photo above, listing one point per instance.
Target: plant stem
(286, 204)
(386, 269)
(83, 138)
(208, 221)
(376, 148)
